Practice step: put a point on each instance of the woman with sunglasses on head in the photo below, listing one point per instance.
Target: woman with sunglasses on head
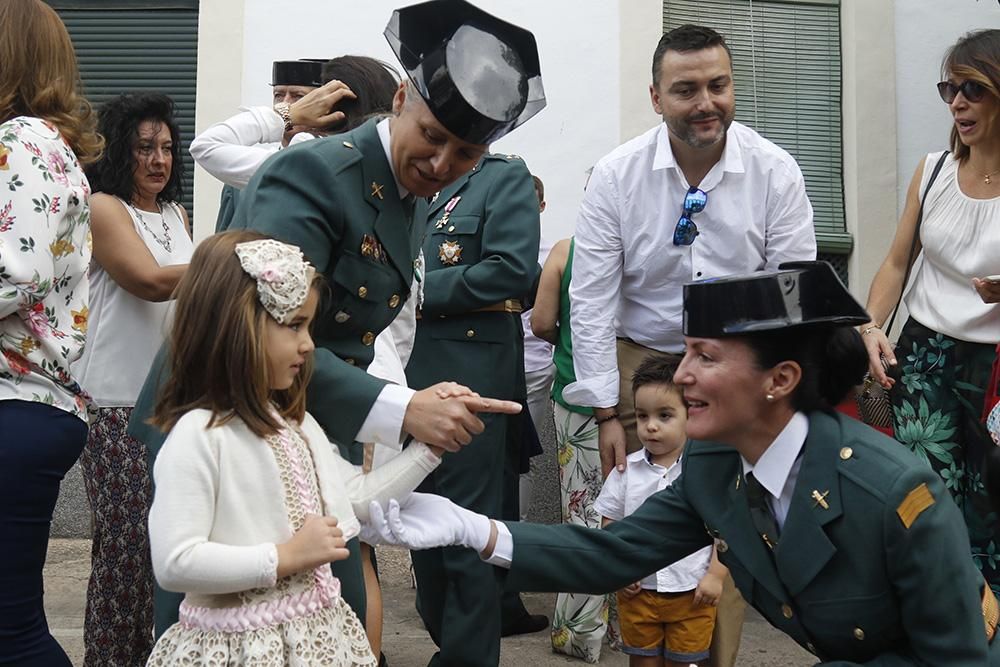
(142, 245)
(938, 373)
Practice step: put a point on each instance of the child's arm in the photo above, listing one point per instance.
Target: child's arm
(709, 589)
(396, 479)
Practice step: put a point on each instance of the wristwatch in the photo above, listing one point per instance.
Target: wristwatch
(285, 111)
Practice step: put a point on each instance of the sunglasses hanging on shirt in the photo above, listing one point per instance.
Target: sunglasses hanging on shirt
(686, 229)
(973, 91)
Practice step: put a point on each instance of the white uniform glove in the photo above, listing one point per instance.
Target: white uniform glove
(424, 521)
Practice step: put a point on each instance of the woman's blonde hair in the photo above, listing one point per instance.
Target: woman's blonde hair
(218, 346)
(975, 57)
(39, 76)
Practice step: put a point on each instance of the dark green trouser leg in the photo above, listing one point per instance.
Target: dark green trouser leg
(458, 595)
(165, 606)
(352, 580)
(511, 607)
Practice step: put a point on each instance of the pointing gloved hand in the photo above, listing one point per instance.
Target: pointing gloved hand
(424, 521)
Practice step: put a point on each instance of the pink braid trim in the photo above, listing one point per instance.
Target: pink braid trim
(264, 614)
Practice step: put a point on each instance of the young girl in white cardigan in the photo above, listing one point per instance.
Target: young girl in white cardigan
(252, 502)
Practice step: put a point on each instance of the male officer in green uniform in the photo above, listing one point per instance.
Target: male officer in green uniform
(839, 536)
(348, 202)
(481, 251)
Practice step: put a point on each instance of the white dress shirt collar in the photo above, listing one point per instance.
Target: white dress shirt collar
(731, 160)
(774, 467)
(383, 134)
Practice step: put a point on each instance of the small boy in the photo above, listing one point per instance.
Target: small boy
(667, 619)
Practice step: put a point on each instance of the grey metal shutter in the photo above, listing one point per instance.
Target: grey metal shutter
(128, 46)
(786, 63)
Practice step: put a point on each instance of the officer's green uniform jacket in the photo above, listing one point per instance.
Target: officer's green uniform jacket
(336, 199)
(880, 575)
(481, 249)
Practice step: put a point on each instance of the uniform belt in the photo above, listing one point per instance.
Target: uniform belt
(991, 612)
(505, 306)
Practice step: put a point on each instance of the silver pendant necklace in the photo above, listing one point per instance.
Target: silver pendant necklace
(165, 241)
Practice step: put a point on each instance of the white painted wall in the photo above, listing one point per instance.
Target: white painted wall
(924, 31)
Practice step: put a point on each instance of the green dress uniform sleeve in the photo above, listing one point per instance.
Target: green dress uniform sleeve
(507, 263)
(291, 198)
(574, 559)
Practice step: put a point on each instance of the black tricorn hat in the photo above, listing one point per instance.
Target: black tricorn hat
(297, 73)
(479, 75)
(798, 294)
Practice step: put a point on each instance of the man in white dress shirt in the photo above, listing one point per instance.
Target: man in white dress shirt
(696, 197)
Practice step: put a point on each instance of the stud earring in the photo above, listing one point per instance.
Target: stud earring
(769, 397)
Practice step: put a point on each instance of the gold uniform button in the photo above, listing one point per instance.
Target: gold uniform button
(368, 338)
(470, 333)
(350, 361)
(846, 453)
(811, 648)
(362, 291)
(786, 611)
(722, 546)
(394, 301)
(451, 229)
(859, 634)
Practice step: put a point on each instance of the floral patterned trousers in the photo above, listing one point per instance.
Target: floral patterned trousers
(937, 408)
(581, 622)
(118, 627)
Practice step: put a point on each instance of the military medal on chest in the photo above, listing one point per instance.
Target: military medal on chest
(450, 253)
(448, 208)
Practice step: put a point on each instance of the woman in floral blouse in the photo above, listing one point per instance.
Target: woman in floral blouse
(46, 132)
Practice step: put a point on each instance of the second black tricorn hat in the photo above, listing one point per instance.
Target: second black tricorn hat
(798, 294)
(479, 75)
(297, 73)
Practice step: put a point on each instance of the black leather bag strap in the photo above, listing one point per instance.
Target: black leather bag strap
(916, 235)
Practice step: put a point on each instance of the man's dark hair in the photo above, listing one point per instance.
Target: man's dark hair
(539, 188)
(687, 37)
(657, 368)
(118, 120)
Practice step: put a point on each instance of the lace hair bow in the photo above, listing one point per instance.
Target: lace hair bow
(283, 276)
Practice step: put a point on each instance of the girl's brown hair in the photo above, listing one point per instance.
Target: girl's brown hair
(39, 76)
(975, 57)
(218, 356)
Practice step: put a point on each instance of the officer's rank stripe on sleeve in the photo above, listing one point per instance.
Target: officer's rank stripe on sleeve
(915, 502)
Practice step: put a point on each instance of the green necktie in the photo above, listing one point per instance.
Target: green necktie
(763, 520)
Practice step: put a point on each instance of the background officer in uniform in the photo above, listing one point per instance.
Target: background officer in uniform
(481, 252)
(291, 80)
(840, 538)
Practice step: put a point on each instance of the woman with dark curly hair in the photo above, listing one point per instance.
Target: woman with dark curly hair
(141, 249)
(46, 133)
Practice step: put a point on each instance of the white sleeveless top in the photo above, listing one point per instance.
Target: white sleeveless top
(125, 332)
(961, 241)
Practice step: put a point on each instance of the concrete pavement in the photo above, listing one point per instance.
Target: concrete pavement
(406, 642)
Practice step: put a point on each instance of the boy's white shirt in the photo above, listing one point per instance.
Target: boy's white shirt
(219, 512)
(624, 492)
